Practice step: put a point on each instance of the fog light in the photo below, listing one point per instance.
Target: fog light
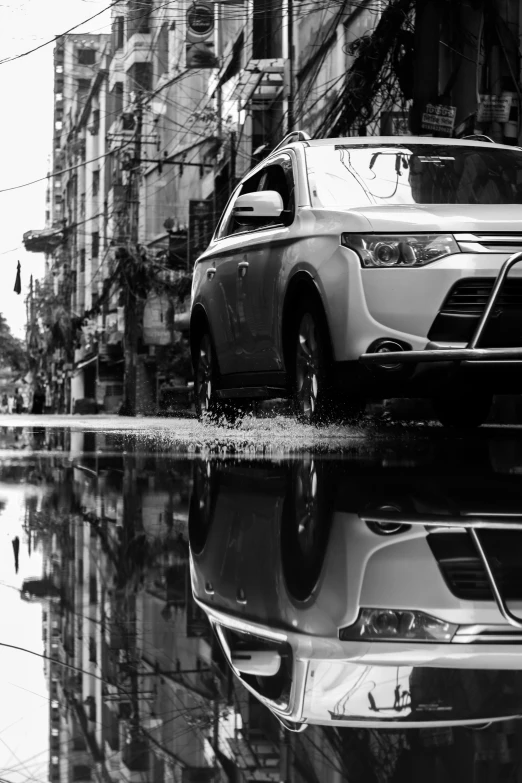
(387, 346)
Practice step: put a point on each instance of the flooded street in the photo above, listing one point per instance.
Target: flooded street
(272, 602)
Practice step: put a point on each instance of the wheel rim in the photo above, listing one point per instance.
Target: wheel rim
(307, 367)
(307, 520)
(204, 374)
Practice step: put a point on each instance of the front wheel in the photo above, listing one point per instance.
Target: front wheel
(463, 412)
(309, 364)
(205, 377)
(315, 398)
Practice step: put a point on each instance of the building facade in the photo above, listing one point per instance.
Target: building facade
(155, 124)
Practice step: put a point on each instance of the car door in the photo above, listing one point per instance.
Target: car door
(215, 281)
(220, 272)
(259, 276)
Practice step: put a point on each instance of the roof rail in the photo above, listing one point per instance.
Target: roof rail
(477, 137)
(291, 137)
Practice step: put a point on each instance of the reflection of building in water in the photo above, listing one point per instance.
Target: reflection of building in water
(151, 701)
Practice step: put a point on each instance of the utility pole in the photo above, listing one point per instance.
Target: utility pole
(426, 79)
(291, 96)
(132, 309)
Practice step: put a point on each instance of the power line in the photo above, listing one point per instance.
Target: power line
(64, 171)
(57, 37)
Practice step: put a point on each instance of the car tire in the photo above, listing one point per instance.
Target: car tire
(305, 528)
(310, 364)
(202, 504)
(206, 378)
(462, 412)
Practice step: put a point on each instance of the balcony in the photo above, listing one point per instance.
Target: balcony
(138, 49)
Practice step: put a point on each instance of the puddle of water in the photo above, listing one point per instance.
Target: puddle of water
(145, 568)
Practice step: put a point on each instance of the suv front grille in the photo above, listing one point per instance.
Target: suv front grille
(459, 315)
(490, 242)
(470, 296)
(463, 571)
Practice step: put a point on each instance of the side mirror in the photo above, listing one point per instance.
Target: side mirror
(262, 204)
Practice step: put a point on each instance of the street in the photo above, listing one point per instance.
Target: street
(129, 534)
(237, 223)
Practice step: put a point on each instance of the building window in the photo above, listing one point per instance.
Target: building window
(267, 33)
(138, 17)
(92, 649)
(86, 56)
(140, 76)
(93, 586)
(83, 85)
(95, 244)
(118, 32)
(95, 125)
(162, 48)
(82, 269)
(117, 101)
(95, 182)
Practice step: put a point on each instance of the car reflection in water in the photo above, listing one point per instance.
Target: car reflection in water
(360, 596)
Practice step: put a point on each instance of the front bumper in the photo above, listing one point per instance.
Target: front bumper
(473, 524)
(472, 353)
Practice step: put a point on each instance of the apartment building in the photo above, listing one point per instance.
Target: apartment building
(154, 126)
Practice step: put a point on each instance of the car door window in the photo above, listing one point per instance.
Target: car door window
(276, 176)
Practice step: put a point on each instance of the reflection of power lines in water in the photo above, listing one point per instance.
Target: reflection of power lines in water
(401, 697)
(402, 700)
(340, 707)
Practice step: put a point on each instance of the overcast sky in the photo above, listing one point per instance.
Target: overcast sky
(24, 706)
(26, 98)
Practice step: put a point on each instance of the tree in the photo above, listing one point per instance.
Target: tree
(12, 350)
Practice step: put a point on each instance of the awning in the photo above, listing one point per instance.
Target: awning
(43, 241)
(262, 80)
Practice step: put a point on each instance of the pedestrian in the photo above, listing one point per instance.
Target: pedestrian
(38, 400)
(16, 549)
(5, 403)
(19, 402)
(10, 403)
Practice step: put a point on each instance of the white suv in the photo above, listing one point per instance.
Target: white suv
(348, 595)
(356, 268)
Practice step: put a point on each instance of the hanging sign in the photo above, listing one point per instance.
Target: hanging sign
(494, 108)
(439, 118)
(200, 46)
(201, 227)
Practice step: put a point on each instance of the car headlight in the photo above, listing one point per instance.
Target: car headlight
(400, 250)
(387, 625)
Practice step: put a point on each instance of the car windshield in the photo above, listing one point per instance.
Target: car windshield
(368, 175)
(349, 691)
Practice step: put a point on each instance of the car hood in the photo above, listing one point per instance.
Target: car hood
(443, 217)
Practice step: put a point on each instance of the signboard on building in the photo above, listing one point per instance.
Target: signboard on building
(201, 227)
(158, 317)
(200, 44)
(439, 118)
(494, 108)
